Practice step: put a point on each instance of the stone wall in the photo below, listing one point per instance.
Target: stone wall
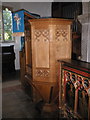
(85, 41)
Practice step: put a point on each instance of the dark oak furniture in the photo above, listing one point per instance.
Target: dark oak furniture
(74, 89)
(8, 59)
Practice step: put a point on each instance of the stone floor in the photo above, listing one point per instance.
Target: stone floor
(16, 103)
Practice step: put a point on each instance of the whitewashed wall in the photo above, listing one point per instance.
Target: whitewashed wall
(41, 8)
(14, 5)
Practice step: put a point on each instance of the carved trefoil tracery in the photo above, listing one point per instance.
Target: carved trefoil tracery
(42, 73)
(44, 33)
(78, 81)
(61, 31)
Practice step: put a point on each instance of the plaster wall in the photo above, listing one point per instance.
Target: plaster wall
(41, 8)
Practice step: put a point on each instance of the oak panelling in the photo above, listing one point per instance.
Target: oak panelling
(42, 45)
(51, 40)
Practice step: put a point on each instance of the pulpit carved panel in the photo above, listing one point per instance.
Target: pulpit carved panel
(42, 73)
(46, 51)
(61, 33)
(45, 34)
(41, 38)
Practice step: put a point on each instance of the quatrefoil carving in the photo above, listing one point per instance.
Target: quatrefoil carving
(60, 31)
(42, 33)
(42, 73)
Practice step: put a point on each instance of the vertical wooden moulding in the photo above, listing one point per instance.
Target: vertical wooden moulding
(60, 85)
(64, 87)
(32, 48)
(76, 101)
(89, 109)
(70, 37)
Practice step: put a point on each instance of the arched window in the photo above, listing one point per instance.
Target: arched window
(7, 24)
